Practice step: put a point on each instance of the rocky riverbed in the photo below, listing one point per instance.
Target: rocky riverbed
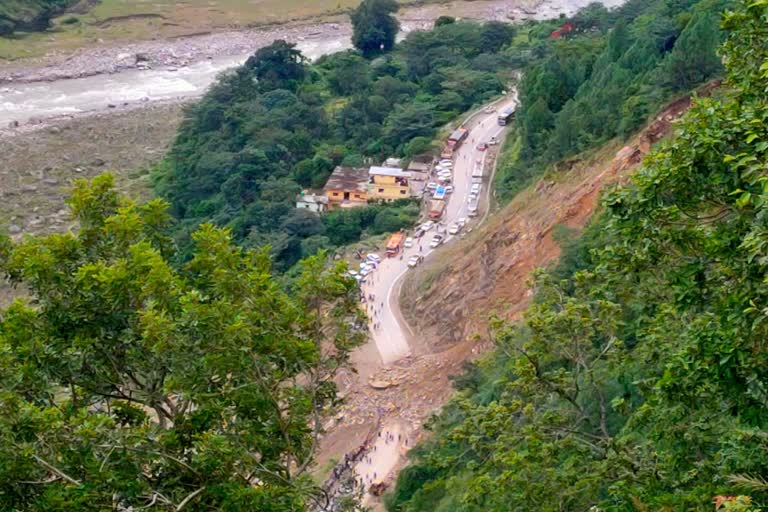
(183, 51)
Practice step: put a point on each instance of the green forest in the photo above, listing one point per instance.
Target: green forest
(607, 79)
(279, 124)
(128, 383)
(155, 358)
(636, 381)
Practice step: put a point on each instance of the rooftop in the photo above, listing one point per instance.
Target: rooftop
(389, 171)
(348, 178)
(311, 198)
(418, 166)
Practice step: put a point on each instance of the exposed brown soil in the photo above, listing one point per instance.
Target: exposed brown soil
(449, 300)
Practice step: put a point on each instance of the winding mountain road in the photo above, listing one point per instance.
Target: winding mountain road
(393, 339)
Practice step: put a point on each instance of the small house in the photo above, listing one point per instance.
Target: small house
(388, 183)
(317, 203)
(347, 187)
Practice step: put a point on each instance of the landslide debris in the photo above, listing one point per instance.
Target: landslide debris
(450, 298)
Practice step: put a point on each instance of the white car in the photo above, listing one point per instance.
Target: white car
(353, 273)
(414, 260)
(449, 189)
(475, 189)
(454, 229)
(431, 185)
(427, 225)
(436, 240)
(374, 257)
(408, 242)
(494, 140)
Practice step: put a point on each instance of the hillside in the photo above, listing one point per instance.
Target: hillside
(634, 378)
(450, 300)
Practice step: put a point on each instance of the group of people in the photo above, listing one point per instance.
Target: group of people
(373, 313)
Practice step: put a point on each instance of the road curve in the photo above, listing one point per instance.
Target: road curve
(393, 336)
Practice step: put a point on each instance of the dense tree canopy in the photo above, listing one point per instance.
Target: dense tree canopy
(279, 124)
(126, 383)
(29, 14)
(636, 381)
(374, 26)
(607, 77)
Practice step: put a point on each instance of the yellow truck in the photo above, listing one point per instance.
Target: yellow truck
(394, 244)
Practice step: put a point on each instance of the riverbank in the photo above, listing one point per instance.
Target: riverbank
(39, 164)
(184, 51)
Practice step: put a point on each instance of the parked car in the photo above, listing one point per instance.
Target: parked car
(427, 225)
(449, 189)
(454, 229)
(415, 260)
(374, 257)
(408, 242)
(482, 146)
(431, 185)
(436, 240)
(446, 163)
(475, 189)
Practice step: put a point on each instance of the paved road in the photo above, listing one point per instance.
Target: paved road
(392, 338)
(393, 335)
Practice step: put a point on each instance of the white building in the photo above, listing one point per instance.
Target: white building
(314, 202)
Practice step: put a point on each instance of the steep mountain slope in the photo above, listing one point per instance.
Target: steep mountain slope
(449, 299)
(636, 377)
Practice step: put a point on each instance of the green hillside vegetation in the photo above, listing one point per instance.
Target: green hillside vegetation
(605, 79)
(29, 14)
(129, 384)
(637, 381)
(278, 124)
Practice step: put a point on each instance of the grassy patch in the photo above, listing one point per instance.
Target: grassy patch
(136, 20)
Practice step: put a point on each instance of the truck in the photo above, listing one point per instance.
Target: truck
(455, 139)
(447, 152)
(436, 208)
(477, 173)
(394, 244)
(506, 115)
(439, 193)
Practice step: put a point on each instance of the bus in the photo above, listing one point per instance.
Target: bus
(506, 115)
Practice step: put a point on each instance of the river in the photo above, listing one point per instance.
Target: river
(32, 102)
(41, 100)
